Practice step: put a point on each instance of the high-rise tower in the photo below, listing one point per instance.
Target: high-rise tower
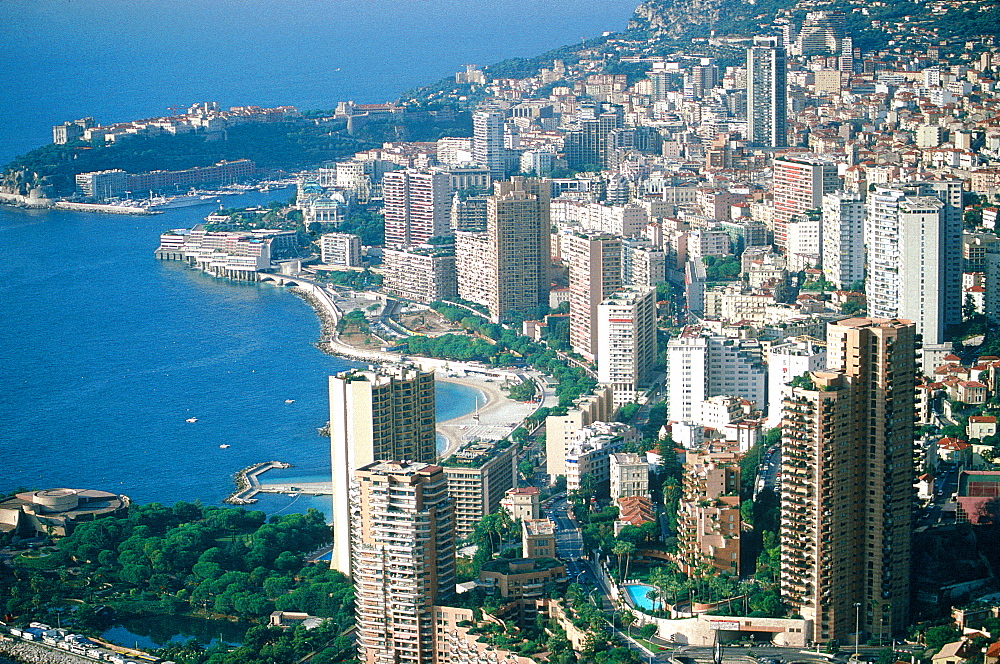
(595, 268)
(417, 206)
(799, 186)
(913, 232)
(517, 228)
(847, 473)
(403, 552)
(767, 94)
(487, 141)
(384, 414)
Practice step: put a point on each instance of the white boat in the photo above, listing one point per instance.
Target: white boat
(289, 400)
(223, 446)
(191, 420)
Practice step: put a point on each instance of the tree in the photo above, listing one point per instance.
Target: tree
(968, 307)
(623, 549)
(648, 630)
(850, 307)
(936, 637)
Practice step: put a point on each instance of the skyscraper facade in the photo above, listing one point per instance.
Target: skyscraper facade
(767, 94)
(595, 267)
(487, 141)
(914, 237)
(517, 262)
(843, 238)
(626, 341)
(799, 186)
(847, 474)
(417, 206)
(375, 415)
(403, 552)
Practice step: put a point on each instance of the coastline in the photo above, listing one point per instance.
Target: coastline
(497, 416)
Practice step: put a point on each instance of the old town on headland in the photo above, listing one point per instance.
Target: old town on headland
(727, 284)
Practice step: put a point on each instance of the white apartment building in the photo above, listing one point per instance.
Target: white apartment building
(642, 263)
(703, 242)
(621, 220)
(720, 411)
(909, 244)
(700, 366)
(588, 452)
(629, 475)
(843, 238)
(626, 341)
(803, 243)
(785, 361)
(340, 249)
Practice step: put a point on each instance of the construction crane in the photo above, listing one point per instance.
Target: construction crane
(173, 109)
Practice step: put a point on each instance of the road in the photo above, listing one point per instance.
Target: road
(768, 475)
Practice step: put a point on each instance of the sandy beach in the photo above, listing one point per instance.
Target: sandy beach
(497, 415)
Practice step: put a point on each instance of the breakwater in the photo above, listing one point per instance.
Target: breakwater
(248, 482)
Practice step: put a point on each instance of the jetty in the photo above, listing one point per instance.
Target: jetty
(103, 207)
(248, 482)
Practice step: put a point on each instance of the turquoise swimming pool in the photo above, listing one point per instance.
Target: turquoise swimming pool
(638, 593)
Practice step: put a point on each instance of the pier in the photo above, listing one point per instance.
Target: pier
(248, 484)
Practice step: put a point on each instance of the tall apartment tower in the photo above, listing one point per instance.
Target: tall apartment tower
(487, 141)
(914, 243)
(626, 341)
(843, 238)
(799, 185)
(595, 272)
(403, 551)
(384, 414)
(417, 206)
(767, 94)
(517, 246)
(847, 473)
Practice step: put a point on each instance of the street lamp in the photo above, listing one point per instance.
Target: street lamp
(857, 628)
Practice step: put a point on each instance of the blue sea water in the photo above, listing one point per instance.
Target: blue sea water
(106, 351)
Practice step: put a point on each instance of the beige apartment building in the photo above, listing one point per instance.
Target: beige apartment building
(538, 538)
(403, 559)
(422, 274)
(507, 265)
(479, 476)
(595, 269)
(847, 474)
(522, 503)
(375, 415)
(708, 516)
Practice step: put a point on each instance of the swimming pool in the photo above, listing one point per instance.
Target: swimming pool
(637, 592)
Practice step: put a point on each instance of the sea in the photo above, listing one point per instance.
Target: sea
(105, 351)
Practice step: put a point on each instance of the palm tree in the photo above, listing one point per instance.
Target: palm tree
(623, 549)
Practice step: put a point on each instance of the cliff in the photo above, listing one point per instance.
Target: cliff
(674, 19)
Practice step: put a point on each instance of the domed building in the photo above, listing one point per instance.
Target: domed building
(57, 511)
